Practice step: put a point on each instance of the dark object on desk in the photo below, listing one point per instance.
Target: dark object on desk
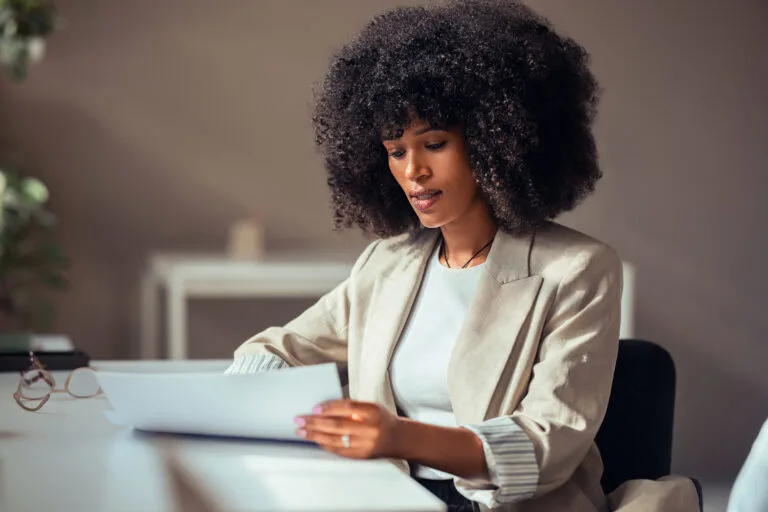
(69, 360)
(635, 439)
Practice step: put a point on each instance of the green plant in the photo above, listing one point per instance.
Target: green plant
(24, 25)
(32, 263)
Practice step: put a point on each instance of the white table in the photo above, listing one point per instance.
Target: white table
(69, 457)
(185, 276)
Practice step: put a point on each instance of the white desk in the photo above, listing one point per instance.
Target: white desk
(69, 457)
(287, 274)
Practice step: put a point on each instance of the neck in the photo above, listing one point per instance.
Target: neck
(467, 235)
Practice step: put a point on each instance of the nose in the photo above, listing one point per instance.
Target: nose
(416, 169)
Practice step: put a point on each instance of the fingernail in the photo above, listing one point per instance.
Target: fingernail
(302, 433)
(300, 421)
(317, 409)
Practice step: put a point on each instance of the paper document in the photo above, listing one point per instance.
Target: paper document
(259, 405)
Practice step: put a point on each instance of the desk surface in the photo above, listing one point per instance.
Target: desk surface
(69, 457)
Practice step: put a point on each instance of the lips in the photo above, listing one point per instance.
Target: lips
(424, 199)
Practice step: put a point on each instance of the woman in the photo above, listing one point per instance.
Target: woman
(477, 336)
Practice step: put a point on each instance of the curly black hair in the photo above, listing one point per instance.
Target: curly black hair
(523, 95)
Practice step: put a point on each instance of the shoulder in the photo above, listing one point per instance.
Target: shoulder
(389, 255)
(558, 251)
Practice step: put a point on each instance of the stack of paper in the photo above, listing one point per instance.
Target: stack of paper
(261, 405)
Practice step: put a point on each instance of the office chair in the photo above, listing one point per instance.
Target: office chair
(635, 438)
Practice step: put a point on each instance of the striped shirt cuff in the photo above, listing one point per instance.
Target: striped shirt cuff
(255, 363)
(512, 466)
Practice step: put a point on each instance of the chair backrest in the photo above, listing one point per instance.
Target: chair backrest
(635, 438)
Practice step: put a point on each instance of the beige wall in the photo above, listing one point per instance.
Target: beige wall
(159, 123)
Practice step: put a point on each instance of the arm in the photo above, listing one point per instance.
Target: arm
(537, 447)
(318, 335)
(425, 444)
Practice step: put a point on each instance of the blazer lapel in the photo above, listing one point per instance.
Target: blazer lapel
(502, 305)
(394, 296)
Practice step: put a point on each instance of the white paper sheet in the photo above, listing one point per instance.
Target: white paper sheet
(259, 405)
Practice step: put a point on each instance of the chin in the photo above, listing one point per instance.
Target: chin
(431, 222)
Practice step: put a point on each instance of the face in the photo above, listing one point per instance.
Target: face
(431, 167)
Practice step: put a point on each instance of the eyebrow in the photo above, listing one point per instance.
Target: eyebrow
(427, 129)
(422, 131)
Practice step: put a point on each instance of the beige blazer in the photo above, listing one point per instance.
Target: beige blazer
(539, 344)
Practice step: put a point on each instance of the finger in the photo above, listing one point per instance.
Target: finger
(328, 441)
(334, 425)
(349, 408)
(358, 449)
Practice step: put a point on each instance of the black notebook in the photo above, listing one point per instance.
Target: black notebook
(65, 360)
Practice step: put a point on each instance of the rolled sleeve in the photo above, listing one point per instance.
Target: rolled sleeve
(255, 363)
(511, 460)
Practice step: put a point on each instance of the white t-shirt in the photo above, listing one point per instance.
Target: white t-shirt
(419, 369)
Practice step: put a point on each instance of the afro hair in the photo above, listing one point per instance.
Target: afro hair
(523, 95)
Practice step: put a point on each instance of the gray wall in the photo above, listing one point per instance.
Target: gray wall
(157, 124)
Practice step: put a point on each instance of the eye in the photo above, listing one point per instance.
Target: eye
(435, 146)
(396, 154)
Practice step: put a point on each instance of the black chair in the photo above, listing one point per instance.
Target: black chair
(635, 439)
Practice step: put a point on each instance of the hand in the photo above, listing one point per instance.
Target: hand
(372, 430)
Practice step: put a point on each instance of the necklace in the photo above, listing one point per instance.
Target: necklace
(445, 254)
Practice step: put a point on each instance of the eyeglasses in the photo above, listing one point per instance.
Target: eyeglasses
(36, 385)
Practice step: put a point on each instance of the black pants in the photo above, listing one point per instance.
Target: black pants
(447, 493)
